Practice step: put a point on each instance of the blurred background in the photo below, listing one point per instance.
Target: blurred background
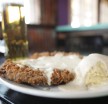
(65, 25)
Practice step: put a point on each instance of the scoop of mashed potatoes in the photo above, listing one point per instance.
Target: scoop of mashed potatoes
(92, 70)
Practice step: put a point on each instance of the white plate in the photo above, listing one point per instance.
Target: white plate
(54, 92)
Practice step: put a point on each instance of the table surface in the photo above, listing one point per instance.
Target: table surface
(9, 96)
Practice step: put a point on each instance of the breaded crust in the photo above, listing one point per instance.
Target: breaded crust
(12, 71)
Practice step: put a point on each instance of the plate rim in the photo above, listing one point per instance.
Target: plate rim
(51, 94)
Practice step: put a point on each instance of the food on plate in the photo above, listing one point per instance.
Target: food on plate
(59, 68)
(45, 70)
(40, 54)
(92, 70)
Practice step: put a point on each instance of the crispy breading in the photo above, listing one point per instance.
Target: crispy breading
(25, 74)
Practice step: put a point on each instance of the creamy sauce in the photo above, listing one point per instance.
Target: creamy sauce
(49, 63)
(81, 70)
(71, 86)
(72, 63)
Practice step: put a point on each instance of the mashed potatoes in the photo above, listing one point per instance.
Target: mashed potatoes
(92, 70)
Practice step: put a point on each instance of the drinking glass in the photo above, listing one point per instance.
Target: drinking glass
(14, 31)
